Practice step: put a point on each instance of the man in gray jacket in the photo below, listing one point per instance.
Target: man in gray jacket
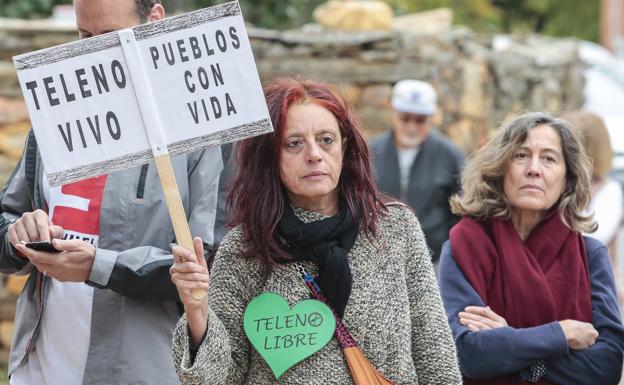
(416, 165)
(101, 311)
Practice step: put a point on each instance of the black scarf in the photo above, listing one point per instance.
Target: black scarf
(325, 242)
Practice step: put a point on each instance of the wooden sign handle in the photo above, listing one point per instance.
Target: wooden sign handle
(176, 210)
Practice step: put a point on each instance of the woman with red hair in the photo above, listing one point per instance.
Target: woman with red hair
(308, 219)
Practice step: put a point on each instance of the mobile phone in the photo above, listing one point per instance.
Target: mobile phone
(42, 246)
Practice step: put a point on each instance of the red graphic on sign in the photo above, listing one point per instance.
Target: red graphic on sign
(83, 216)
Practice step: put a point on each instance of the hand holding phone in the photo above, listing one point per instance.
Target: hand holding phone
(45, 246)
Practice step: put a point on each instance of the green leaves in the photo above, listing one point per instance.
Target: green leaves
(578, 18)
(273, 14)
(28, 9)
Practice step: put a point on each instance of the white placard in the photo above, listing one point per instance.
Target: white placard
(190, 79)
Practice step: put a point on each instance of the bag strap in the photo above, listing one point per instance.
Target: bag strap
(362, 371)
(345, 340)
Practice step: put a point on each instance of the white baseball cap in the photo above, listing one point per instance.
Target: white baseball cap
(414, 97)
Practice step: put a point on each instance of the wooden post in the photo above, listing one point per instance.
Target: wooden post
(174, 201)
(176, 211)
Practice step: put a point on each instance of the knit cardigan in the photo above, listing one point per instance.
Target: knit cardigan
(395, 314)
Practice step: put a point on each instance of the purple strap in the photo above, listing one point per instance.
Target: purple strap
(342, 333)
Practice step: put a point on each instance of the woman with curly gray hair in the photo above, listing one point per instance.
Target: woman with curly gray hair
(529, 298)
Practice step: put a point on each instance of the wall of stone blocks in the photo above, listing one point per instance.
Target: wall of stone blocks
(478, 86)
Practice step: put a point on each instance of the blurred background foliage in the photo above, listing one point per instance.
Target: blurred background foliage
(30, 9)
(578, 18)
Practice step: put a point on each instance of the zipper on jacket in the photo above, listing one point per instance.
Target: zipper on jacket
(41, 280)
(142, 177)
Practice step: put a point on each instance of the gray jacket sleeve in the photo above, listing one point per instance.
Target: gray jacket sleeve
(15, 199)
(143, 272)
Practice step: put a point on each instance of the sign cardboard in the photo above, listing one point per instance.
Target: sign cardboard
(284, 336)
(117, 100)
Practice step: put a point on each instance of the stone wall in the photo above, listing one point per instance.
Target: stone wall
(16, 37)
(478, 85)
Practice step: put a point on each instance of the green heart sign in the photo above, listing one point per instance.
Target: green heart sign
(283, 335)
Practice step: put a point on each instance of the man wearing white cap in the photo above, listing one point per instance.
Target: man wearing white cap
(416, 165)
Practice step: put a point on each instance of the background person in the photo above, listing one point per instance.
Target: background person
(529, 298)
(607, 203)
(306, 193)
(103, 310)
(415, 164)
(606, 193)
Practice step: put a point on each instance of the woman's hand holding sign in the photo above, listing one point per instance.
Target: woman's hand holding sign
(189, 273)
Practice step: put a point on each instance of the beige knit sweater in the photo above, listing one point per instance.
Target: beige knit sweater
(394, 313)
